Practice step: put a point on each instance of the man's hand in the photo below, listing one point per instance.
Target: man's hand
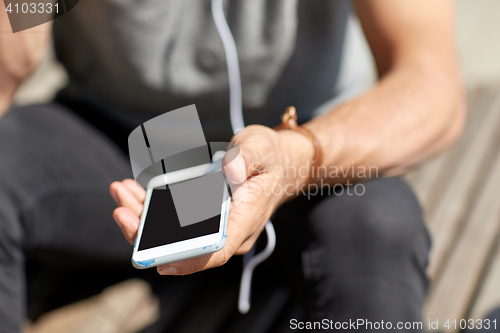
(260, 183)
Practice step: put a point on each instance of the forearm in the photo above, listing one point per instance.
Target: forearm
(411, 114)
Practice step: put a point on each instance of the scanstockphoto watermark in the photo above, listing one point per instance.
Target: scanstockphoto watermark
(313, 189)
(352, 171)
(327, 180)
(358, 324)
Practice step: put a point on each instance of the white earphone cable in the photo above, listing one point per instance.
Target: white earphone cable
(233, 68)
(237, 124)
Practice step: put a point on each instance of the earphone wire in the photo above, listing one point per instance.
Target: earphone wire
(237, 124)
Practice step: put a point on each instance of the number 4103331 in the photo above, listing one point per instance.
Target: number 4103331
(471, 324)
(33, 8)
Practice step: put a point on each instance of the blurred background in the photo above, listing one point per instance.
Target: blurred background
(459, 191)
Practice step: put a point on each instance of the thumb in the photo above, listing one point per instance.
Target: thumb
(239, 163)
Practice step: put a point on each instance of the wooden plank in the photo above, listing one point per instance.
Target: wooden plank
(429, 174)
(128, 306)
(445, 223)
(480, 103)
(423, 177)
(413, 176)
(488, 298)
(450, 296)
(430, 179)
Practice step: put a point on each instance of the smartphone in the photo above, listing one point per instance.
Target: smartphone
(185, 215)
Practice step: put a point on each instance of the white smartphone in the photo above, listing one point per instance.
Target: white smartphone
(185, 215)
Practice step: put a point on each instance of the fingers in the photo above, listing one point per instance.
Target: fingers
(235, 245)
(257, 149)
(128, 222)
(247, 244)
(186, 266)
(197, 264)
(126, 197)
(130, 197)
(138, 191)
(235, 236)
(234, 167)
(238, 169)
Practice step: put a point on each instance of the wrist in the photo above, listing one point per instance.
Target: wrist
(299, 153)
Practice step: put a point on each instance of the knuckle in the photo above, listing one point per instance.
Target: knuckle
(248, 158)
(258, 128)
(254, 132)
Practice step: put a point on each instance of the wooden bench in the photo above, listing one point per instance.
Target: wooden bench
(460, 193)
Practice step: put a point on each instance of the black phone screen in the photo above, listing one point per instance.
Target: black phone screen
(163, 225)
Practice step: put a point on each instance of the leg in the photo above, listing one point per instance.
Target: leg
(367, 255)
(54, 201)
(55, 209)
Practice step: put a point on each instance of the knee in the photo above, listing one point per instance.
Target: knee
(386, 221)
(369, 254)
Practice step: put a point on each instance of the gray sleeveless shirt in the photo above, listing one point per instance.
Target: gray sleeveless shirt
(137, 59)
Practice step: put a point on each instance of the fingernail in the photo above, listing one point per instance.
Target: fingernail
(168, 271)
(235, 170)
